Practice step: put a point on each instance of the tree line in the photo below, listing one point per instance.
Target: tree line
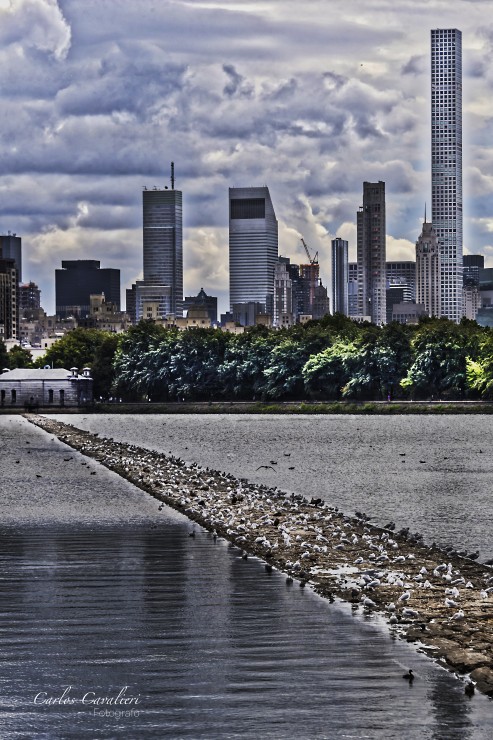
(334, 358)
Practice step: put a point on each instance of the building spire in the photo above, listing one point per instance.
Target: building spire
(425, 211)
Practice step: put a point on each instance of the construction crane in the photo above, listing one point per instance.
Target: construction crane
(313, 261)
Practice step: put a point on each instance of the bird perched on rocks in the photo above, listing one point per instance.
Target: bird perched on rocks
(469, 689)
(405, 596)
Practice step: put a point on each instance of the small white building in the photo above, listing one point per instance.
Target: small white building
(32, 388)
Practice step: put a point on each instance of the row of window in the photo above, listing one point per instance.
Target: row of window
(13, 396)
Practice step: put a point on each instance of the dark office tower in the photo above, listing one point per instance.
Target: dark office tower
(402, 272)
(75, 282)
(371, 253)
(252, 246)
(11, 248)
(446, 163)
(163, 242)
(9, 313)
(29, 299)
(472, 264)
(352, 289)
(340, 276)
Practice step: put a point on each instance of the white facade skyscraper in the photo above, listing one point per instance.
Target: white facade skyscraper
(253, 246)
(446, 163)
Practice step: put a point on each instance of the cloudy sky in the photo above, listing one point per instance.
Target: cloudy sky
(311, 98)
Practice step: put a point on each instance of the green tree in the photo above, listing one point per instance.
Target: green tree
(19, 357)
(4, 356)
(439, 367)
(137, 360)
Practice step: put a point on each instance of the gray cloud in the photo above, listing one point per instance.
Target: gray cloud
(98, 97)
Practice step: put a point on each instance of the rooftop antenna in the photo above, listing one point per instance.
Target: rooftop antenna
(172, 175)
(425, 211)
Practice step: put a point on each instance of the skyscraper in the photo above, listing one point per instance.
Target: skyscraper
(11, 248)
(163, 241)
(252, 246)
(428, 291)
(371, 245)
(446, 163)
(340, 276)
(75, 282)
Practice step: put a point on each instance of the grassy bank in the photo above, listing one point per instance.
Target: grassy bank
(373, 408)
(288, 407)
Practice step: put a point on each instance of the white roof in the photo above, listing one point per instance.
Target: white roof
(35, 374)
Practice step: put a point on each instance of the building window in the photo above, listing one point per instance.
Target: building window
(50, 396)
(62, 398)
(14, 396)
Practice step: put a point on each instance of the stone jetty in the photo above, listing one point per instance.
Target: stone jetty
(440, 601)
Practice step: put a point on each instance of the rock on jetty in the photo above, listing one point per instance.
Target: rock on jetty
(442, 602)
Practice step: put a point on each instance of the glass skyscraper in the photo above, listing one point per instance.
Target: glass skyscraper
(340, 275)
(163, 243)
(253, 246)
(446, 163)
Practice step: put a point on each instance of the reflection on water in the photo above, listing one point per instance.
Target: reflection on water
(212, 645)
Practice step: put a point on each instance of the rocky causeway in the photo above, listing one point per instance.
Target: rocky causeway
(440, 600)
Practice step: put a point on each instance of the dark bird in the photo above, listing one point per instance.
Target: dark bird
(409, 676)
(38, 475)
(66, 459)
(287, 454)
(192, 533)
(402, 454)
(160, 507)
(17, 462)
(422, 461)
(93, 472)
(266, 467)
(273, 462)
(469, 689)
(289, 581)
(291, 468)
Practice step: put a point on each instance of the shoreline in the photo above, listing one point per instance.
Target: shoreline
(338, 555)
(373, 408)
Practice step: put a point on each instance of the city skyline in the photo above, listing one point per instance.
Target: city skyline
(100, 101)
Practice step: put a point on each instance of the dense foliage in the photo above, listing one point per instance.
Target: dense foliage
(331, 359)
(334, 358)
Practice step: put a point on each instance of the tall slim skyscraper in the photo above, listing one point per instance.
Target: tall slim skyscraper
(371, 243)
(163, 241)
(253, 246)
(340, 275)
(446, 163)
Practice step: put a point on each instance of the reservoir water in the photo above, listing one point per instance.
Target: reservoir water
(102, 594)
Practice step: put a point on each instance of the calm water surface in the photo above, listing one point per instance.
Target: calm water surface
(100, 591)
